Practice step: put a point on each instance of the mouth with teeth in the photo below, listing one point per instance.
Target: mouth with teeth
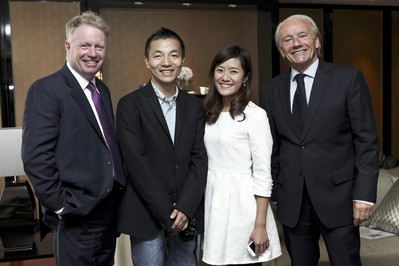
(225, 85)
(91, 63)
(167, 72)
(299, 51)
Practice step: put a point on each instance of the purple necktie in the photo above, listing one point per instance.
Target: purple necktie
(110, 137)
(300, 106)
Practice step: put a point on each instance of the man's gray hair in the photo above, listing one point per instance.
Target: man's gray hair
(314, 30)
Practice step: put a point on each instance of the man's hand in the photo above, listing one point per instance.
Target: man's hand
(361, 212)
(180, 221)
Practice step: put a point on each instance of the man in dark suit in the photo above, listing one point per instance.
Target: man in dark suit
(161, 131)
(325, 152)
(69, 149)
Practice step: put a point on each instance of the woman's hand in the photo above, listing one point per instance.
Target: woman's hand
(260, 238)
(259, 235)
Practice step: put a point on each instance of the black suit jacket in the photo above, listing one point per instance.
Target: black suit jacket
(337, 152)
(63, 150)
(156, 166)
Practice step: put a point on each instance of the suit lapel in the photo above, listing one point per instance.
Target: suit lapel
(319, 87)
(180, 111)
(80, 98)
(156, 107)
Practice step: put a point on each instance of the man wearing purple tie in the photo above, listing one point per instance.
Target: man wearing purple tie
(70, 151)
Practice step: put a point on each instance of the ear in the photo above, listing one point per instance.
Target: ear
(67, 47)
(147, 62)
(318, 45)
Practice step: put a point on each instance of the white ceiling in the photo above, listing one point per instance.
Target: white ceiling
(346, 2)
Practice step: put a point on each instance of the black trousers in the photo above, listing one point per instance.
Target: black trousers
(302, 241)
(87, 240)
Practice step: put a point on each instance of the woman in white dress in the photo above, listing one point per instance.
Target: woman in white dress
(238, 143)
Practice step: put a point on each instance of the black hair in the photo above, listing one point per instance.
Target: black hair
(161, 34)
(213, 101)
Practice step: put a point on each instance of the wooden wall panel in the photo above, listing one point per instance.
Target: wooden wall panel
(357, 43)
(204, 32)
(38, 37)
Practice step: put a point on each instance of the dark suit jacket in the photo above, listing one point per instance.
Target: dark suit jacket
(337, 152)
(156, 166)
(63, 150)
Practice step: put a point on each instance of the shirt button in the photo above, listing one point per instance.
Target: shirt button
(176, 167)
(109, 162)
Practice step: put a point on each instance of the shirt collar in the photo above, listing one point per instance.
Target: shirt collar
(81, 80)
(310, 71)
(162, 97)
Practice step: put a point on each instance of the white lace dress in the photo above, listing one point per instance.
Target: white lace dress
(239, 168)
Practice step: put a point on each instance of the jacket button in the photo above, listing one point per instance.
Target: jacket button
(109, 162)
(300, 173)
(176, 167)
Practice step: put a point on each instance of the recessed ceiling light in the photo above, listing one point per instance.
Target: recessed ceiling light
(232, 6)
(138, 3)
(186, 4)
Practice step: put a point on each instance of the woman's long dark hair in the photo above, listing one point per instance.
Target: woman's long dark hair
(213, 101)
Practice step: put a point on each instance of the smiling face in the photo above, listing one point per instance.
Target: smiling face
(229, 76)
(86, 50)
(298, 44)
(165, 61)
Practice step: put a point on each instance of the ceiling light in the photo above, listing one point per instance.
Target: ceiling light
(138, 3)
(232, 6)
(186, 4)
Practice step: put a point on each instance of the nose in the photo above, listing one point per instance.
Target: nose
(92, 51)
(225, 76)
(165, 61)
(296, 41)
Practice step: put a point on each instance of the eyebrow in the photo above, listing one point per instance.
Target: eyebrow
(228, 68)
(289, 35)
(162, 52)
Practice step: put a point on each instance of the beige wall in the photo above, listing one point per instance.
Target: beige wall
(204, 33)
(357, 43)
(38, 37)
(38, 45)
